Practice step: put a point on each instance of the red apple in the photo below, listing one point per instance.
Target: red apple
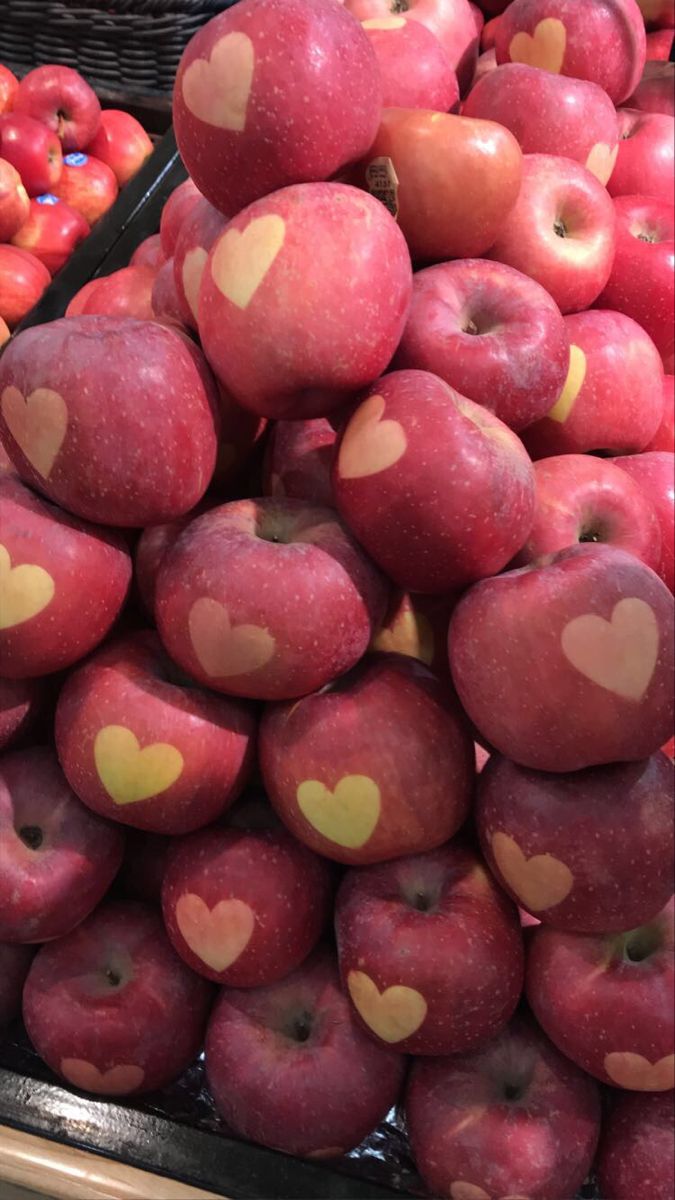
(177, 208)
(304, 298)
(417, 625)
(87, 185)
(142, 871)
(491, 333)
(377, 766)
(151, 547)
(487, 62)
(148, 253)
(607, 1000)
(267, 598)
(637, 1153)
(245, 907)
(14, 964)
(654, 473)
(298, 460)
(589, 851)
(57, 859)
(415, 69)
(124, 293)
(14, 202)
(567, 663)
(111, 1008)
(658, 12)
(23, 279)
(561, 231)
(452, 21)
(8, 88)
(196, 235)
(656, 89)
(20, 702)
(4, 333)
(165, 301)
(62, 100)
(513, 1119)
(288, 1066)
(659, 46)
(51, 232)
(438, 500)
(144, 457)
(664, 438)
(646, 158)
(121, 143)
(33, 151)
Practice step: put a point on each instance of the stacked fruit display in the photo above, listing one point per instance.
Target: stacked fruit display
(380, 713)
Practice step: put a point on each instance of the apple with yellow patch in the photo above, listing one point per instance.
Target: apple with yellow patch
(197, 232)
(430, 950)
(452, 21)
(244, 907)
(607, 1000)
(417, 625)
(111, 1008)
(415, 69)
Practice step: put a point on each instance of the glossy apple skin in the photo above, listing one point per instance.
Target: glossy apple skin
(323, 75)
(415, 69)
(90, 570)
(23, 279)
(124, 293)
(149, 455)
(594, 1000)
(573, 266)
(62, 100)
(455, 504)
(4, 331)
(612, 827)
(87, 185)
(121, 143)
(646, 160)
(286, 888)
(466, 1129)
(612, 359)
(391, 722)
(659, 45)
(457, 180)
(604, 43)
(178, 207)
(14, 964)
(549, 114)
(316, 1093)
(527, 698)
(8, 88)
(33, 150)
(298, 460)
(148, 253)
(452, 21)
(113, 993)
(417, 626)
(439, 924)
(654, 473)
(491, 333)
(164, 298)
(14, 202)
(197, 232)
(636, 1148)
(53, 879)
(654, 92)
(20, 702)
(641, 280)
(51, 232)
(664, 438)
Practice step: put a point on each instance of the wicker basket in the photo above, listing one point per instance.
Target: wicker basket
(129, 46)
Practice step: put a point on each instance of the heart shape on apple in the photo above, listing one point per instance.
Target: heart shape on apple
(129, 773)
(370, 445)
(572, 386)
(347, 815)
(216, 90)
(540, 882)
(218, 935)
(620, 654)
(545, 48)
(241, 260)
(601, 160)
(223, 649)
(25, 591)
(116, 1081)
(394, 1014)
(634, 1071)
(37, 423)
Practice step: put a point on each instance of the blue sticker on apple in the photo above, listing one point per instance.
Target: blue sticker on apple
(76, 160)
(47, 199)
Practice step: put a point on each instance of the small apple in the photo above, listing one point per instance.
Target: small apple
(646, 158)
(148, 253)
(415, 69)
(14, 964)
(8, 88)
(124, 293)
(177, 208)
(51, 231)
(298, 460)
(87, 185)
(637, 1153)
(121, 143)
(654, 473)
(196, 235)
(33, 151)
(20, 702)
(23, 279)
(62, 100)
(14, 202)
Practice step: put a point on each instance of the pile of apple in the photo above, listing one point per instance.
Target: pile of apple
(62, 162)
(336, 575)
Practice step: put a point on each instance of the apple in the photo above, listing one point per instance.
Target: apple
(143, 866)
(149, 253)
(230, 89)
(514, 1118)
(20, 703)
(144, 457)
(121, 143)
(606, 1000)
(33, 150)
(23, 279)
(613, 395)
(549, 114)
(51, 231)
(491, 333)
(124, 293)
(586, 852)
(111, 1008)
(437, 932)
(659, 46)
(664, 438)
(267, 598)
(288, 1066)
(4, 333)
(87, 185)
(14, 964)
(486, 63)
(604, 43)
(62, 100)
(417, 625)
(636, 1152)
(298, 460)
(8, 88)
(14, 202)
(561, 230)
(658, 12)
(415, 69)
(488, 35)
(646, 158)
(452, 21)
(437, 501)
(196, 235)
(178, 207)
(566, 663)
(165, 301)
(378, 765)
(656, 89)
(654, 473)
(58, 859)
(245, 907)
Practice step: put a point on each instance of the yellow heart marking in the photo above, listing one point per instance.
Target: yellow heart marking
(241, 260)
(637, 1073)
(130, 774)
(602, 160)
(370, 444)
(409, 634)
(216, 90)
(571, 387)
(620, 654)
(394, 1014)
(348, 815)
(37, 423)
(222, 649)
(217, 935)
(460, 1190)
(116, 1081)
(545, 48)
(25, 590)
(384, 23)
(193, 269)
(539, 882)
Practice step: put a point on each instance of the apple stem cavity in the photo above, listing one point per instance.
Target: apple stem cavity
(640, 944)
(471, 327)
(113, 977)
(301, 1028)
(560, 228)
(31, 836)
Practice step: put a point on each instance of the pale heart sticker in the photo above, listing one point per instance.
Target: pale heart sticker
(370, 445)
(602, 160)
(638, 1074)
(217, 935)
(216, 90)
(384, 23)
(576, 375)
(116, 1081)
(545, 48)
(129, 773)
(620, 654)
(394, 1014)
(37, 423)
(241, 260)
(25, 591)
(539, 882)
(225, 650)
(348, 815)
(193, 269)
